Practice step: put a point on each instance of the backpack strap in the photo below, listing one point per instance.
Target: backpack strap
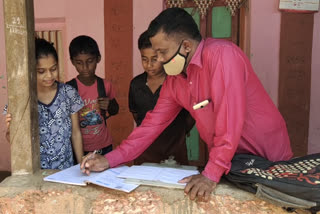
(113, 107)
(102, 93)
(101, 88)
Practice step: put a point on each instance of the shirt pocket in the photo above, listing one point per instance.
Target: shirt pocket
(205, 120)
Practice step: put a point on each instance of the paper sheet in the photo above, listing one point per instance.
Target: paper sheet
(72, 175)
(107, 178)
(153, 173)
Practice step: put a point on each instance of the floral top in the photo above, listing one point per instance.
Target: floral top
(55, 128)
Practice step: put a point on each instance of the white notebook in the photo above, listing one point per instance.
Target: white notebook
(107, 178)
(156, 176)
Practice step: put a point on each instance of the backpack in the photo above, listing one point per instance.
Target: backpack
(292, 184)
(113, 107)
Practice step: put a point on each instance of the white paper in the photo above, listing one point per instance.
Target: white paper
(107, 178)
(172, 175)
(153, 173)
(72, 175)
(310, 5)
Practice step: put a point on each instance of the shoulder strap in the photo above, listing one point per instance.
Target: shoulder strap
(113, 107)
(101, 88)
(102, 93)
(73, 83)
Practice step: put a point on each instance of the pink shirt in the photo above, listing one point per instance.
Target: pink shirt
(94, 132)
(240, 117)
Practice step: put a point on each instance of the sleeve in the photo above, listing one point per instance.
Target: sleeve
(76, 102)
(229, 98)
(152, 126)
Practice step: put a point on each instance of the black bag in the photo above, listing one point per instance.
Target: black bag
(292, 184)
(113, 107)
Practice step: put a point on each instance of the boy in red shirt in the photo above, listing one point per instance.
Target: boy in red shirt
(85, 55)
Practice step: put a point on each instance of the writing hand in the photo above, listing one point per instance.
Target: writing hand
(103, 103)
(8, 120)
(93, 163)
(198, 185)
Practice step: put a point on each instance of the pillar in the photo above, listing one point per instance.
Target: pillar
(21, 75)
(118, 62)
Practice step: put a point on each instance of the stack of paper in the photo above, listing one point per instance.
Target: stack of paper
(156, 176)
(124, 178)
(107, 178)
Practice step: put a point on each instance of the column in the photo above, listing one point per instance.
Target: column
(21, 74)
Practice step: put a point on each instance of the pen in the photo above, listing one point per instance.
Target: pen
(94, 152)
(92, 155)
(5, 109)
(200, 105)
(87, 158)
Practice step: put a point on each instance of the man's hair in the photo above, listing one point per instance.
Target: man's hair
(175, 21)
(83, 45)
(143, 41)
(44, 49)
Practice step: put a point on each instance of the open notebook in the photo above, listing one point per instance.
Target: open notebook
(156, 176)
(107, 178)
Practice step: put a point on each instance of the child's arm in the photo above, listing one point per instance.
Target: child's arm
(76, 137)
(8, 119)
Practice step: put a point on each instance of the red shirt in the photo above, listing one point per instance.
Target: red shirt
(95, 134)
(240, 116)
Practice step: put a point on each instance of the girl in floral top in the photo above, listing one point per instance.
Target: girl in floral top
(58, 105)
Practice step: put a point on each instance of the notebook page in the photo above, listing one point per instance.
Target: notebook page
(72, 175)
(172, 175)
(109, 179)
(149, 173)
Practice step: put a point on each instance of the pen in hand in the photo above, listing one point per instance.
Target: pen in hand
(91, 156)
(94, 163)
(93, 153)
(85, 159)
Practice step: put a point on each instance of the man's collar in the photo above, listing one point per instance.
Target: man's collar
(197, 56)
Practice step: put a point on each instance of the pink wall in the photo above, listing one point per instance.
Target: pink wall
(264, 56)
(314, 124)
(264, 44)
(143, 12)
(80, 17)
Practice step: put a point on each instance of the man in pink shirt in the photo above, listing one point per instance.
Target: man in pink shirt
(214, 81)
